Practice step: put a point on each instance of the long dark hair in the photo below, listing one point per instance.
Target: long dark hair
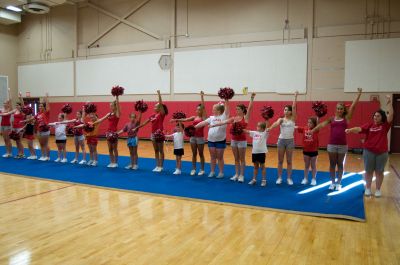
(243, 108)
(383, 115)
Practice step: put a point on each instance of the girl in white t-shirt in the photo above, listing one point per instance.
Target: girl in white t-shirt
(178, 147)
(61, 138)
(259, 152)
(216, 137)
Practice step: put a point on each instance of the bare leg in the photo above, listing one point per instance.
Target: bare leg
(332, 165)
(200, 147)
(314, 167)
(340, 164)
(289, 159)
(242, 160)
(255, 171)
(82, 144)
(135, 155)
(379, 179)
(281, 156)
(368, 179)
(161, 150)
(156, 153)
(220, 158)
(111, 152)
(307, 161)
(235, 151)
(193, 146)
(213, 156)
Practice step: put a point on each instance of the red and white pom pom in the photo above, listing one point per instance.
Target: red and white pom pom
(190, 130)
(141, 106)
(320, 108)
(14, 135)
(117, 91)
(267, 112)
(67, 109)
(226, 93)
(178, 115)
(90, 108)
(159, 136)
(112, 137)
(237, 128)
(88, 127)
(27, 110)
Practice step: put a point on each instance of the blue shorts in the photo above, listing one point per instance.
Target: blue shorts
(218, 145)
(132, 141)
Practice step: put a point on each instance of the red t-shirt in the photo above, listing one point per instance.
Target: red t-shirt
(376, 137)
(17, 120)
(199, 132)
(5, 120)
(43, 117)
(157, 120)
(112, 122)
(242, 136)
(310, 140)
(78, 131)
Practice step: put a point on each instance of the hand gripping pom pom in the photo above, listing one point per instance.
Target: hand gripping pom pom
(43, 127)
(88, 127)
(190, 130)
(267, 112)
(90, 108)
(159, 136)
(236, 128)
(319, 108)
(27, 110)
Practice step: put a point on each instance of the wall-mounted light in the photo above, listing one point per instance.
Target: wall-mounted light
(14, 8)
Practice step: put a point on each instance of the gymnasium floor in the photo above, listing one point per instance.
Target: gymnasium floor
(44, 222)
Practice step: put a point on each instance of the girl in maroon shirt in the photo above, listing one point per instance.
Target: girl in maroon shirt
(197, 141)
(5, 127)
(375, 153)
(337, 146)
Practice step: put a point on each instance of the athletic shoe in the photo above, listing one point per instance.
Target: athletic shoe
(7, 155)
(42, 158)
(211, 175)
(253, 182)
(177, 172)
(64, 160)
(367, 192)
(128, 166)
(112, 165)
(241, 179)
(338, 187)
(156, 169)
(135, 167)
(90, 162)
(378, 193)
(83, 162)
(289, 182)
(332, 186)
(115, 165)
(201, 173)
(47, 158)
(278, 181)
(304, 182)
(313, 182)
(234, 178)
(263, 183)
(74, 161)
(193, 172)
(31, 157)
(220, 176)
(57, 160)
(94, 164)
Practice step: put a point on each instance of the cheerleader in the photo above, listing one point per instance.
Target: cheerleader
(61, 138)
(42, 119)
(5, 126)
(178, 147)
(132, 140)
(29, 135)
(91, 137)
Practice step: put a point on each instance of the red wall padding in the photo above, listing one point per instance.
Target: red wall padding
(363, 114)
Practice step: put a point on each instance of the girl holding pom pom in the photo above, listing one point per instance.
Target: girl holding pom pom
(61, 138)
(178, 147)
(337, 145)
(157, 127)
(91, 129)
(5, 127)
(132, 141)
(42, 119)
(197, 139)
(286, 140)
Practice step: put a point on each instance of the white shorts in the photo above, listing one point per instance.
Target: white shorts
(79, 138)
(238, 144)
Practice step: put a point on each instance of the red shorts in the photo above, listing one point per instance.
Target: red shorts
(29, 137)
(92, 140)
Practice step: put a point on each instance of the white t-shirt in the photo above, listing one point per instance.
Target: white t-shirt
(259, 142)
(287, 129)
(60, 131)
(178, 140)
(216, 134)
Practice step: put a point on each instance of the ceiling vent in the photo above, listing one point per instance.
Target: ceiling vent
(36, 8)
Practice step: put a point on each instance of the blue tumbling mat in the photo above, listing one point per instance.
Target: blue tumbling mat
(300, 199)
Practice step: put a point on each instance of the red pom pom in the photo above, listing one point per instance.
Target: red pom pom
(190, 130)
(88, 127)
(141, 106)
(237, 128)
(27, 110)
(67, 109)
(90, 108)
(159, 136)
(178, 115)
(14, 135)
(112, 137)
(70, 130)
(226, 93)
(319, 108)
(117, 91)
(43, 127)
(267, 112)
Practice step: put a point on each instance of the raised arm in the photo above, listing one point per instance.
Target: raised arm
(162, 110)
(389, 108)
(21, 99)
(275, 124)
(203, 106)
(294, 106)
(102, 119)
(321, 125)
(9, 97)
(46, 100)
(118, 107)
(226, 108)
(353, 105)
(250, 108)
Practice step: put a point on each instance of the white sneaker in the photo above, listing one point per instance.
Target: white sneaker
(158, 169)
(367, 192)
(74, 161)
(211, 175)
(47, 158)
(253, 182)
(263, 183)
(234, 178)
(177, 172)
(135, 167)
(57, 160)
(220, 176)
(94, 164)
(32, 157)
(278, 181)
(83, 162)
(64, 160)
(5, 155)
(128, 166)
(332, 186)
(289, 182)
(338, 187)
(90, 162)
(155, 169)
(241, 179)
(304, 182)
(378, 193)
(193, 172)
(42, 158)
(313, 182)
(112, 165)
(201, 173)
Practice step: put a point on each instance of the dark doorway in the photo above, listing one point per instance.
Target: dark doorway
(395, 134)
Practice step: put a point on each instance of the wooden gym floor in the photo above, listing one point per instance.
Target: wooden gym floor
(45, 222)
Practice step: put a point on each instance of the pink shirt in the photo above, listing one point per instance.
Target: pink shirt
(338, 134)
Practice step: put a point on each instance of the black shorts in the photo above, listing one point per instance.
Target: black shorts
(258, 158)
(179, 152)
(61, 141)
(310, 154)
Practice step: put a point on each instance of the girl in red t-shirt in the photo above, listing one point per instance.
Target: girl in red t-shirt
(42, 120)
(113, 119)
(5, 127)
(197, 141)
(157, 120)
(310, 149)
